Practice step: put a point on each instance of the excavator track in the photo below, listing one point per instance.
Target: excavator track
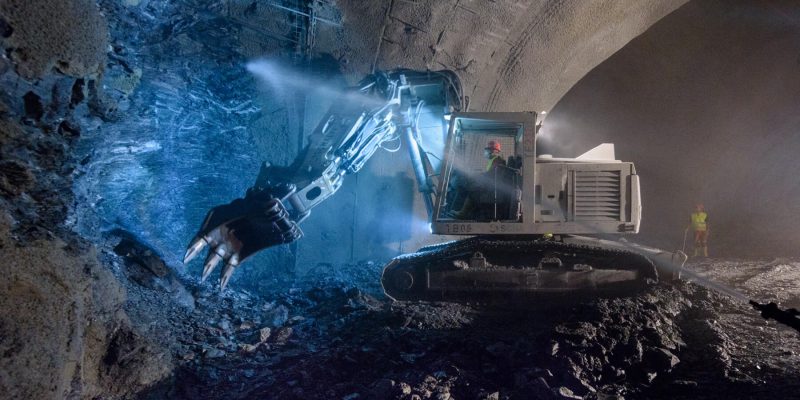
(491, 270)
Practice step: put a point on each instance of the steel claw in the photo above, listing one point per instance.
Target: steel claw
(211, 262)
(227, 272)
(235, 231)
(194, 249)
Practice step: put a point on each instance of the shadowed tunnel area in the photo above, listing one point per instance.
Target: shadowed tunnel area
(704, 102)
(122, 122)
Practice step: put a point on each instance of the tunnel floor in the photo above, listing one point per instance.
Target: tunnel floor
(334, 340)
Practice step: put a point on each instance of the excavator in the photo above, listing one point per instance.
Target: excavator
(524, 219)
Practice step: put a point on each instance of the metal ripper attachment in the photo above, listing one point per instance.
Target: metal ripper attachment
(237, 230)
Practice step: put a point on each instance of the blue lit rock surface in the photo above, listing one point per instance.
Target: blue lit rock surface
(63, 330)
(191, 126)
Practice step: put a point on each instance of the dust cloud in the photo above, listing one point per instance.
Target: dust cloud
(705, 105)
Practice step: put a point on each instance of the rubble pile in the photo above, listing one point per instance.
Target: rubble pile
(328, 339)
(333, 340)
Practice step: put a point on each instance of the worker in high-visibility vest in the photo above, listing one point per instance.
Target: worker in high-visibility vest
(698, 221)
(492, 152)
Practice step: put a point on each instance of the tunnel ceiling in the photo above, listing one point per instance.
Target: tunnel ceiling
(512, 55)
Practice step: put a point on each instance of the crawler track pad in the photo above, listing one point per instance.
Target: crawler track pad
(484, 270)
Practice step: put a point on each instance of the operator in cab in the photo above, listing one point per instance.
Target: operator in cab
(492, 152)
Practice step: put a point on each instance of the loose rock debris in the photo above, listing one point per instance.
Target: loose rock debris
(339, 342)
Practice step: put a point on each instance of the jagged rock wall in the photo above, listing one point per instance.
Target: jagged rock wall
(40, 35)
(193, 125)
(62, 329)
(63, 333)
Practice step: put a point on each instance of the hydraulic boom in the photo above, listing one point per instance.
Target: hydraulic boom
(382, 111)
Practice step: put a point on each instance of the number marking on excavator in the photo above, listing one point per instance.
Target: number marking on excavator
(459, 228)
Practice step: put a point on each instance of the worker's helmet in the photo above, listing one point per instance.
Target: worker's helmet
(493, 146)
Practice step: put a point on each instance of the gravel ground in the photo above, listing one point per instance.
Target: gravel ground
(333, 339)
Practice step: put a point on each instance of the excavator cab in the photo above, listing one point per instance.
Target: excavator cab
(476, 189)
(591, 194)
(522, 217)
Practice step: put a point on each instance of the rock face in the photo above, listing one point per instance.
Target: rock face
(62, 329)
(70, 36)
(63, 332)
(185, 126)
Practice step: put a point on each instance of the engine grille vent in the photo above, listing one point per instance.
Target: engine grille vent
(597, 195)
